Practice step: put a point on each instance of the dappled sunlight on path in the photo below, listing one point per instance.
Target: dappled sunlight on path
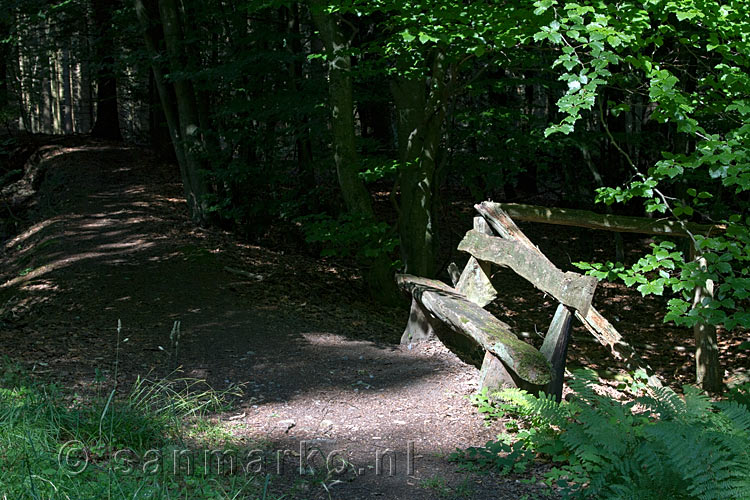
(109, 239)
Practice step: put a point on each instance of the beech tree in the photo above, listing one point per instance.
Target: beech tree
(684, 67)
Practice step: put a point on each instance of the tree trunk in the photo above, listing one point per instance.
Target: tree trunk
(420, 123)
(379, 275)
(158, 128)
(302, 143)
(355, 194)
(708, 371)
(4, 60)
(177, 99)
(67, 93)
(107, 124)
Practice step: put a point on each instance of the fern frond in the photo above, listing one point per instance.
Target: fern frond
(738, 414)
(665, 402)
(546, 407)
(696, 403)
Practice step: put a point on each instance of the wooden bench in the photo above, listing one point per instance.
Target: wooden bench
(456, 315)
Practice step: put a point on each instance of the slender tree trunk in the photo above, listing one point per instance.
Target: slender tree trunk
(527, 179)
(21, 89)
(355, 194)
(187, 111)
(708, 370)
(4, 56)
(177, 99)
(160, 139)
(5, 110)
(107, 124)
(420, 124)
(67, 91)
(599, 182)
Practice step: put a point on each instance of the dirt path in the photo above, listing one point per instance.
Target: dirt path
(320, 365)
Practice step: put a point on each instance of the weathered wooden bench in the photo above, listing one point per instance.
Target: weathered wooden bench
(456, 315)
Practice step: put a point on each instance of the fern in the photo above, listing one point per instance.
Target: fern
(679, 447)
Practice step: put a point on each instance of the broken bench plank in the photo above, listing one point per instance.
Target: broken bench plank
(467, 318)
(595, 323)
(572, 289)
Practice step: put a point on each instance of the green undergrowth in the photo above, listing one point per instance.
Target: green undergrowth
(119, 444)
(655, 446)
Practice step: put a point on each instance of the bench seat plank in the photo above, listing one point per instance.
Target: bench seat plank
(469, 319)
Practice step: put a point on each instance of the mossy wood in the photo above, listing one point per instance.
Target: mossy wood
(572, 289)
(601, 329)
(467, 318)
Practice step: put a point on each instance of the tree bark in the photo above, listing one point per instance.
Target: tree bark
(4, 60)
(708, 372)
(177, 98)
(341, 101)
(107, 124)
(67, 93)
(302, 142)
(420, 123)
(161, 141)
(356, 196)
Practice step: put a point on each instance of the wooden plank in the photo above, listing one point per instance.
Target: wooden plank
(418, 327)
(555, 349)
(572, 289)
(606, 222)
(594, 322)
(475, 282)
(501, 222)
(468, 319)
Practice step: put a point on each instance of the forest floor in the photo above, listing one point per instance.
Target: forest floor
(104, 236)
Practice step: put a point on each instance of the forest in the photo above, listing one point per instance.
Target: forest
(274, 249)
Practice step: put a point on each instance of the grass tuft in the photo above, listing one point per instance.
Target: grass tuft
(51, 448)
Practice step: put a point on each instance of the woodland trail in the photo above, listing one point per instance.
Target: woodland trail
(320, 366)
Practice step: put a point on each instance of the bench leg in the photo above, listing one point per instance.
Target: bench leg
(493, 375)
(555, 349)
(418, 328)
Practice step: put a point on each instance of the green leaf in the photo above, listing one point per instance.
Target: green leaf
(407, 37)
